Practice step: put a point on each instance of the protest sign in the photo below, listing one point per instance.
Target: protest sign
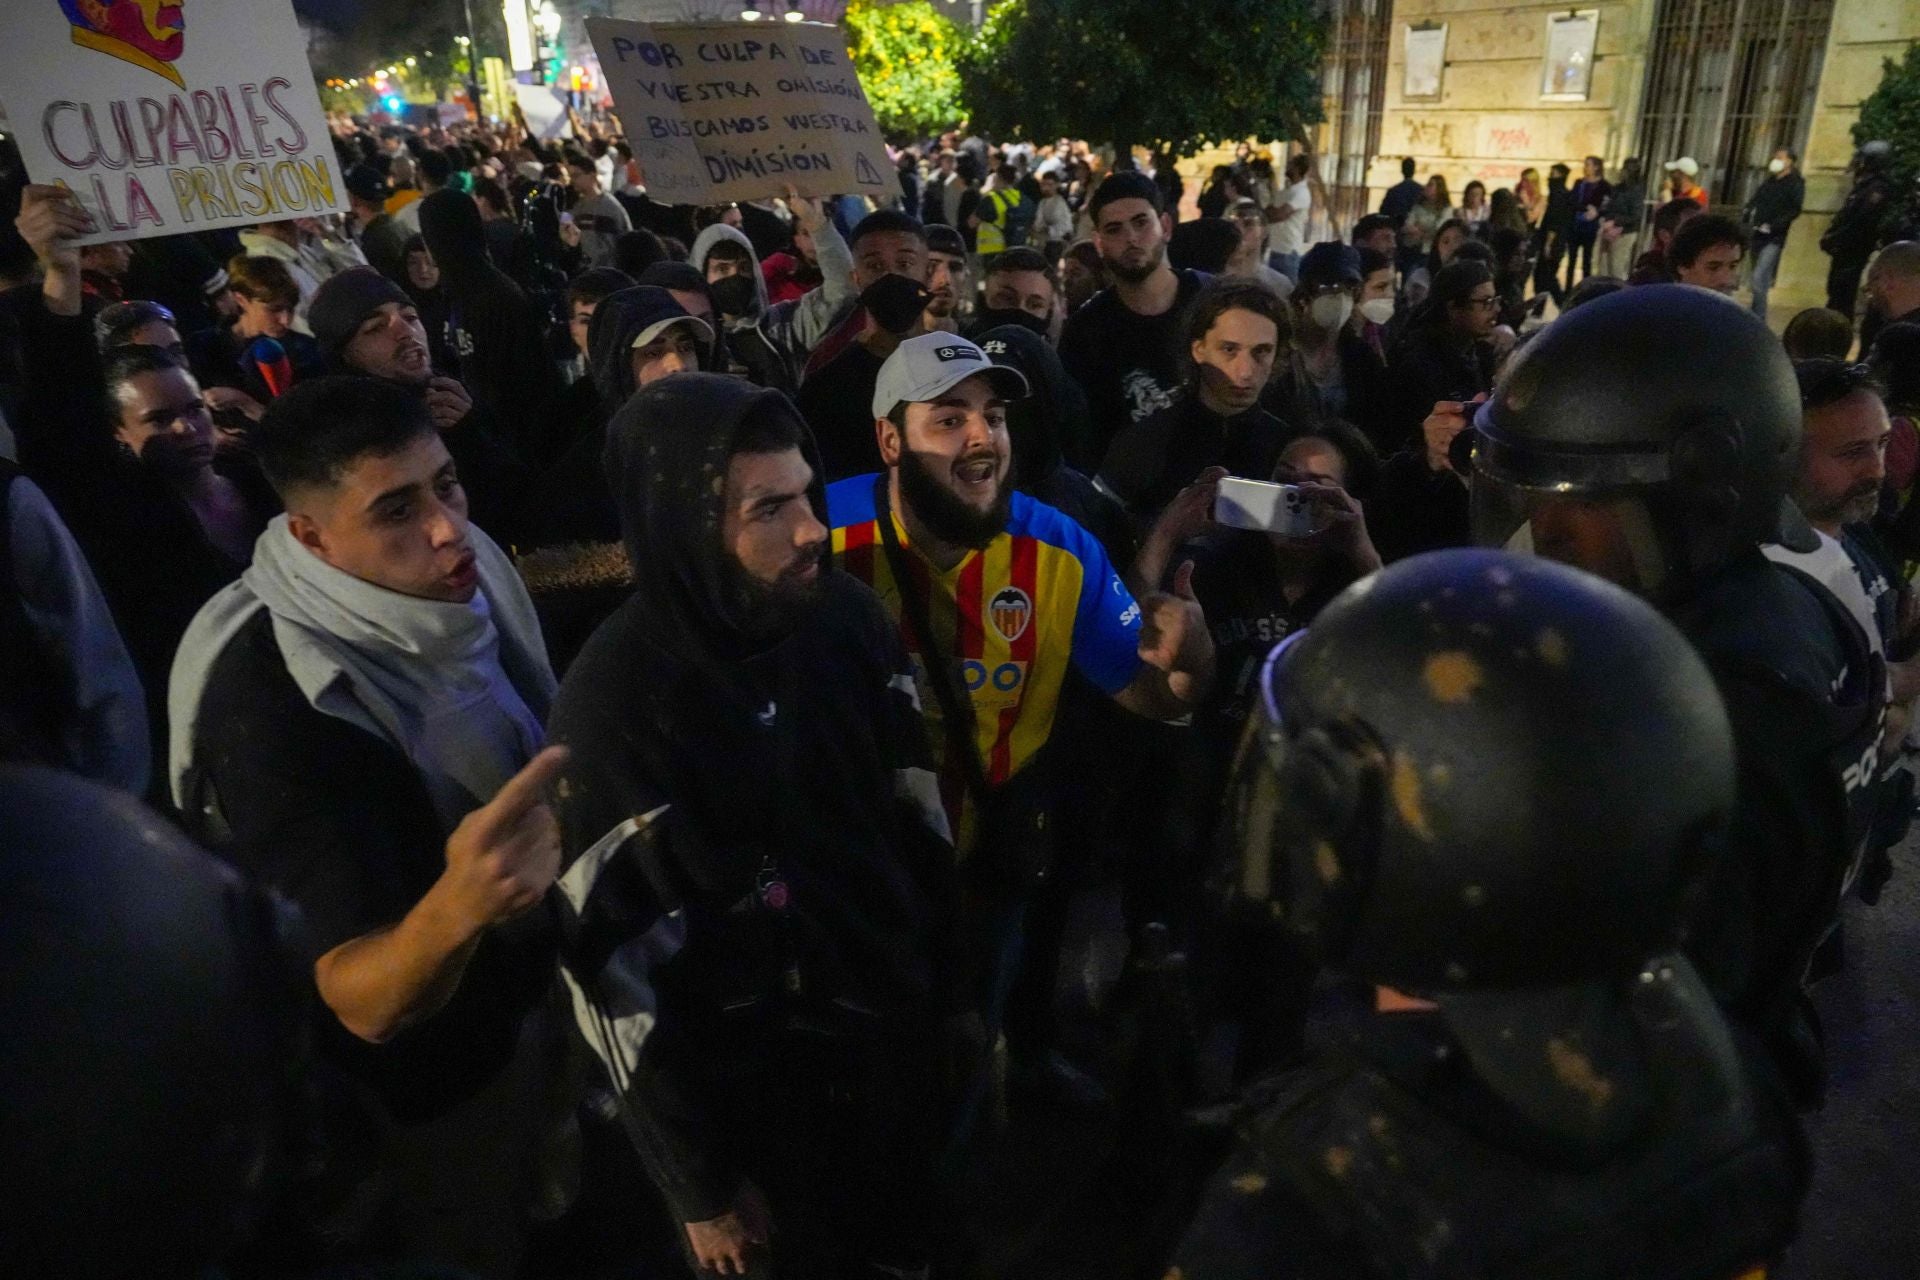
(545, 112)
(739, 111)
(166, 116)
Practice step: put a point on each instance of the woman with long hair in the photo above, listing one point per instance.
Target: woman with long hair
(1473, 208)
(1447, 239)
(1426, 217)
(1531, 196)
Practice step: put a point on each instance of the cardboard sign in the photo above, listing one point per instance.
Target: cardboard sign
(166, 116)
(740, 111)
(546, 113)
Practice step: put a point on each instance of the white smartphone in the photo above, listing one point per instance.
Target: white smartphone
(1267, 508)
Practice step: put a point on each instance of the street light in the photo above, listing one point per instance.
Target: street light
(794, 15)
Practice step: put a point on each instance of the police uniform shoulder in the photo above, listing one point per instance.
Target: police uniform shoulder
(1760, 613)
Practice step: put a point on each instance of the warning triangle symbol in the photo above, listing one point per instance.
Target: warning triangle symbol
(864, 171)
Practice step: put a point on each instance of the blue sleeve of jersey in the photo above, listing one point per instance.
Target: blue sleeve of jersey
(850, 501)
(1106, 630)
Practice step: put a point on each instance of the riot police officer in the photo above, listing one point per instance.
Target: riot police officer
(1651, 437)
(1486, 784)
(1860, 225)
(153, 1055)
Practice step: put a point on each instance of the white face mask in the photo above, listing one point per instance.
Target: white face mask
(1377, 310)
(1776, 165)
(1331, 311)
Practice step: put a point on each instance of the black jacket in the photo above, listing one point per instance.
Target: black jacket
(1152, 460)
(339, 822)
(569, 501)
(1774, 205)
(795, 875)
(1054, 412)
(1430, 365)
(502, 339)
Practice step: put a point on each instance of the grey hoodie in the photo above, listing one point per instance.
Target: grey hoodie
(703, 249)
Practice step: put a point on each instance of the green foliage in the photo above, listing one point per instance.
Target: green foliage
(904, 54)
(1130, 72)
(1892, 114)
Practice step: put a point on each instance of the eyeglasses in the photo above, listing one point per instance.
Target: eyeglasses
(1485, 304)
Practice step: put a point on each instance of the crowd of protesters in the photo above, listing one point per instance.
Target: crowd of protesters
(683, 665)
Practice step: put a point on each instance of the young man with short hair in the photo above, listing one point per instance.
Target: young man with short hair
(949, 280)
(366, 324)
(1707, 252)
(1653, 266)
(1376, 231)
(1020, 288)
(600, 218)
(892, 266)
(1121, 347)
(357, 724)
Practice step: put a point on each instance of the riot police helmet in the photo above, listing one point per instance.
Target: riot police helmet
(155, 1015)
(1650, 436)
(1481, 771)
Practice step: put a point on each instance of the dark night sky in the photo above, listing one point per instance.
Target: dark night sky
(335, 15)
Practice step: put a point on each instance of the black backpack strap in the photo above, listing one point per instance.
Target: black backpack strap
(955, 707)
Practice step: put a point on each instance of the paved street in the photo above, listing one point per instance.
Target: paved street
(1860, 1221)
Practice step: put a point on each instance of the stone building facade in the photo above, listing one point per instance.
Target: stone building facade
(1725, 81)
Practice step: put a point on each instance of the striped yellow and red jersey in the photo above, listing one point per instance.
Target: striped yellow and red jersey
(1013, 615)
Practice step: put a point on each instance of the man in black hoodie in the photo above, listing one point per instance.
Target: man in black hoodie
(759, 890)
(503, 340)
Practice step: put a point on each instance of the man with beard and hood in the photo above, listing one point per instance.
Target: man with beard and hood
(997, 596)
(891, 267)
(500, 336)
(356, 724)
(725, 259)
(759, 890)
(637, 335)
(1122, 346)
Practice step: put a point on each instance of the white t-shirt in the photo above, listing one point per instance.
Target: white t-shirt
(1289, 235)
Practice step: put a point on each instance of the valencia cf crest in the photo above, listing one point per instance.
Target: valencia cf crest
(1011, 611)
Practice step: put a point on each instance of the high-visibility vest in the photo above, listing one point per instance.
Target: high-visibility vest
(992, 236)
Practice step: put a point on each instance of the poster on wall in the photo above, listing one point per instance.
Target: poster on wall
(163, 118)
(1426, 56)
(1569, 67)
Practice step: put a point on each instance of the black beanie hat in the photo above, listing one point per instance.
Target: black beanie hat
(343, 302)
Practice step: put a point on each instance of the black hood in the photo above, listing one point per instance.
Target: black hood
(617, 321)
(666, 464)
(450, 223)
(1056, 411)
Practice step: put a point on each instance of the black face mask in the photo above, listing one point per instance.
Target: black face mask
(993, 318)
(734, 296)
(895, 302)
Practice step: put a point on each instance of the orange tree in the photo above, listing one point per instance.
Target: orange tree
(1145, 72)
(904, 54)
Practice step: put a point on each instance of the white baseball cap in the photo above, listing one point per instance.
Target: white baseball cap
(1685, 164)
(922, 368)
(701, 329)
